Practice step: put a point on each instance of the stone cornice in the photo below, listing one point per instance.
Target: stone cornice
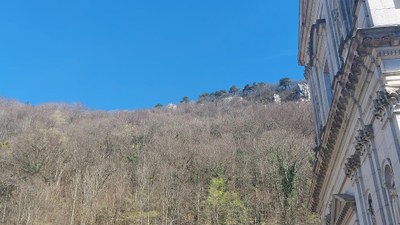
(381, 36)
(344, 88)
(361, 46)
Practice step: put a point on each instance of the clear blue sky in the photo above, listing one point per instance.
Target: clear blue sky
(132, 54)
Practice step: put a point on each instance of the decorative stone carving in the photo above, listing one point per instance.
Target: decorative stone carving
(353, 162)
(385, 102)
(359, 147)
(362, 139)
(380, 105)
(364, 136)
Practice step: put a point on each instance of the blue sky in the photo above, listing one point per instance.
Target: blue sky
(132, 54)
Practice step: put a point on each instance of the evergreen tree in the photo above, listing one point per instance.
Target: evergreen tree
(247, 89)
(285, 82)
(234, 90)
(158, 105)
(185, 99)
(220, 93)
(204, 95)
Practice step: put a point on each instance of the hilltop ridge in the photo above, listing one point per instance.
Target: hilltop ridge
(259, 92)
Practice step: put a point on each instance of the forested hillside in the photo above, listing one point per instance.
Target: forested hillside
(225, 162)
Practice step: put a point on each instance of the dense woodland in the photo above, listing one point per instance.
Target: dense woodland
(210, 162)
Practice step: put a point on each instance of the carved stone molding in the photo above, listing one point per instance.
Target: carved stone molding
(385, 102)
(389, 52)
(352, 164)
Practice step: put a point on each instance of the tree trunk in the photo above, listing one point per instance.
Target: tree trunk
(4, 213)
(74, 199)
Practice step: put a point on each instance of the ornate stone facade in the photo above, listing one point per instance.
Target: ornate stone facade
(351, 53)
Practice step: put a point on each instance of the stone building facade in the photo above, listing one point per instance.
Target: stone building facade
(351, 53)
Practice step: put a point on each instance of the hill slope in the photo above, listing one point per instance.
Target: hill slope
(233, 162)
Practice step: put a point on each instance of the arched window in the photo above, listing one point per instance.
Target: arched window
(389, 179)
(392, 192)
